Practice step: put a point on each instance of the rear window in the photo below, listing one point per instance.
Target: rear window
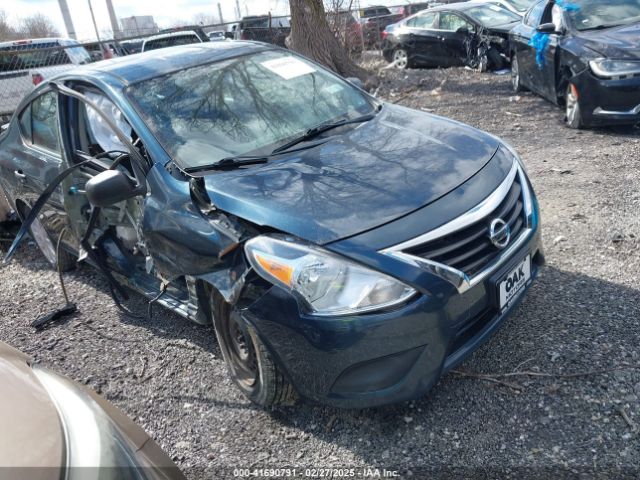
(262, 22)
(171, 41)
(374, 12)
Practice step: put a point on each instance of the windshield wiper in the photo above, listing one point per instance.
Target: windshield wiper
(315, 131)
(229, 163)
(602, 27)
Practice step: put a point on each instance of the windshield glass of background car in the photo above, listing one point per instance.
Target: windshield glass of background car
(492, 16)
(598, 13)
(521, 5)
(240, 106)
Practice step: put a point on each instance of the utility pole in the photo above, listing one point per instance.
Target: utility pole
(66, 16)
(115, 27)
(220, 13)
(238, 11)
(103, 50)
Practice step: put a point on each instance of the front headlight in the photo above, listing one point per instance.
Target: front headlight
(326, 283)
(606, 68)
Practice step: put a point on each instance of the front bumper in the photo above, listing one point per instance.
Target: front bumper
(388, 357)
(608, 101)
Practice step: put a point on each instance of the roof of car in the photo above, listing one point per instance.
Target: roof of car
(155, 63)
(460, 6)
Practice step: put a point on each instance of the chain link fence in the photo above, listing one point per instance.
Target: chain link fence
(26, 63)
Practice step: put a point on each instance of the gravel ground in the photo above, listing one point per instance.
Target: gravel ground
(581, 317)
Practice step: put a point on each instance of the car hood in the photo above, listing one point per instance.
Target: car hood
(619, 43)
(400, 161)
(32, 435)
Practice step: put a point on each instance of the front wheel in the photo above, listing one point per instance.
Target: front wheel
(516, 79)
(573, 113)
(250, 364)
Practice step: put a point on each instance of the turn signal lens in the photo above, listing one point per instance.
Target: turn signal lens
(278, 270)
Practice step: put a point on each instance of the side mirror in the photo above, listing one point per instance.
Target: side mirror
(546, 28)
(356, 82)
(110, 187)
(462, 30)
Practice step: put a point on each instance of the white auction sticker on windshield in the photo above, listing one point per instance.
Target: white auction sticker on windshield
(288, 67)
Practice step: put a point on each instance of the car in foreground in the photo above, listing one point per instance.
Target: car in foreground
(459, 34)
(346, 250)
(53, 427)
(25, 63)
(585, 58)
(173, 39)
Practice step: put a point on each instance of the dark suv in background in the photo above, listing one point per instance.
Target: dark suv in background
(374, 20)
(264, 28)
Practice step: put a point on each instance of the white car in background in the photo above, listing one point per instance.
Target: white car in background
(26, 63)
(518, 7)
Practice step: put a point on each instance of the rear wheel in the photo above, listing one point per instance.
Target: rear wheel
(401, 58)
(250, 364)
(573, 114)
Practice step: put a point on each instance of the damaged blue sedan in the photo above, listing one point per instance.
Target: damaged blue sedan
(347, 251)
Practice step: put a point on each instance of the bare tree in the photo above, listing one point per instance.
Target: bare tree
(37, 26)
(311, 36)
(7, 32)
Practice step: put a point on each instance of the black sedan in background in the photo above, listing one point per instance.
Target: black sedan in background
(584, 57)
(459, 34)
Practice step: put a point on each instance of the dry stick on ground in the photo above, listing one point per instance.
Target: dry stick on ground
(495, 378)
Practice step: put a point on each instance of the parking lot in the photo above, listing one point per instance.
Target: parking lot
(557, 388)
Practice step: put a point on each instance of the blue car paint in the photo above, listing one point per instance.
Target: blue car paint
(393, 178)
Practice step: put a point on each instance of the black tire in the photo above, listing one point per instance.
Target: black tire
(401, 59)
(251, 366)
(573, 112)
(496, 62)
(48, 245)
(516, 79)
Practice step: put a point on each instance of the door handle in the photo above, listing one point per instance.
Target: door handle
(19, 175)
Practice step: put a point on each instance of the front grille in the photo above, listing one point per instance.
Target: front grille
(470, 250)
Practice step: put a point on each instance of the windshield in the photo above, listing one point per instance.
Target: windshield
(491, 15)
(244, 105)
(591, 14)
(520, 5)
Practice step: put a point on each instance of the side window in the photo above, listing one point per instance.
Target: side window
(25, 124)
(95, 136)
(426, 21)
(39, 122)
(535, 15)
(452, 22)
(44, 121)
